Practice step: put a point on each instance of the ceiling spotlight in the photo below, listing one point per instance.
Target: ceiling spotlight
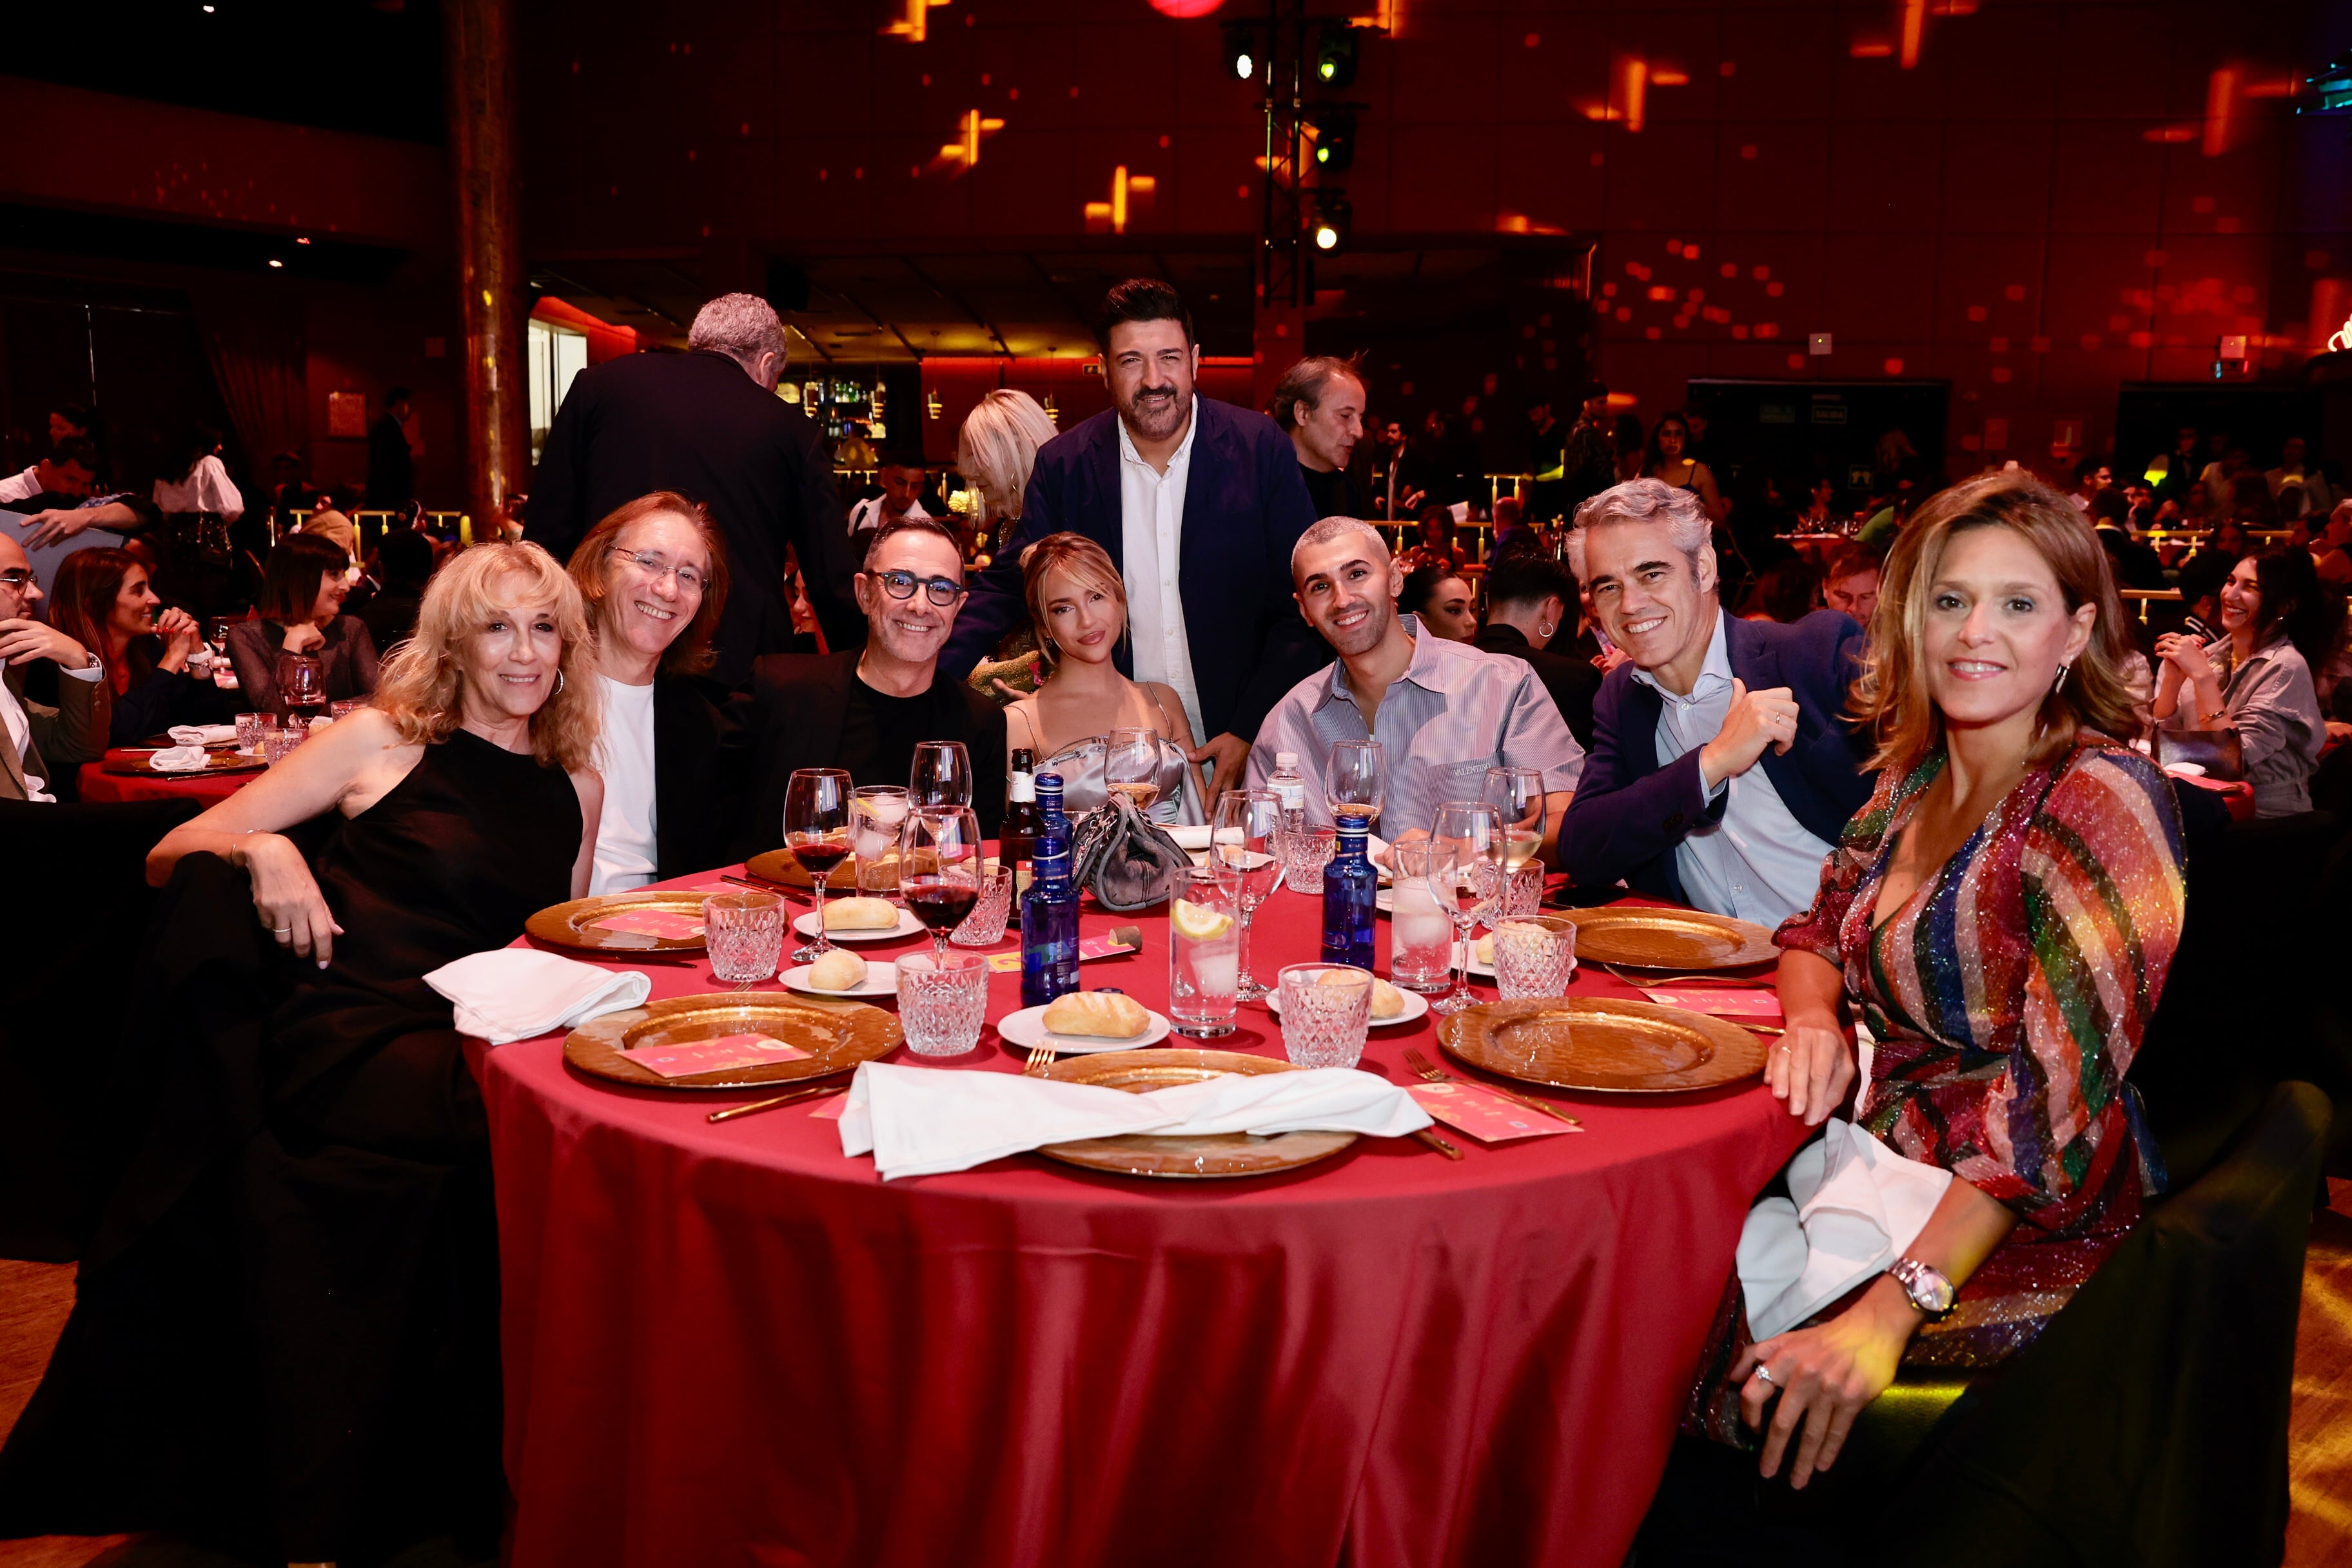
(1335, 54)
(1242, 56)
(207, 10)
(1335, 137)
(1331, 217)
(275, 262)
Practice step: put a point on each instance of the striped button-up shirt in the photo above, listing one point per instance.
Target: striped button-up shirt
(1454, 713)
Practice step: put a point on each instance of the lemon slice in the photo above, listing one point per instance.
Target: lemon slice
(1198, 923)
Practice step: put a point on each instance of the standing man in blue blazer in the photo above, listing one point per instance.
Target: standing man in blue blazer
(1723, 768)
(1199, 502)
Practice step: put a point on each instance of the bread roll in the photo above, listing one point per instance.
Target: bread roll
(839, 970)
(1100, 1015)
(1387, 1000)
(860, 914)
(1486, 951)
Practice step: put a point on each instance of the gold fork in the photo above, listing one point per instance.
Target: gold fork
(1041, 1056)
(1424, 1067)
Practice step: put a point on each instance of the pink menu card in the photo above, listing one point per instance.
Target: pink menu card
(1486, 1116)
(717, 1055)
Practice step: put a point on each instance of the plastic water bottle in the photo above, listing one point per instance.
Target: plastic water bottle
(1291, 787)
(1049, 911)
(1351, 886)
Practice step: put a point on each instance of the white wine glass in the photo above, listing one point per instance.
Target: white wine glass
(1518, 794)
(1131, 766)
(1356, 782)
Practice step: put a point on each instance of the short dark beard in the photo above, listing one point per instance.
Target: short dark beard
(1181, 410)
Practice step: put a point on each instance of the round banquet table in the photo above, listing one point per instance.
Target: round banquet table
(98, 785)
(731, 1344)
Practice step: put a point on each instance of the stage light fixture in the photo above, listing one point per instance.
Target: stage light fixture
(1332, 213)
(1335, 54)
(1335, 138)
(1242, 57)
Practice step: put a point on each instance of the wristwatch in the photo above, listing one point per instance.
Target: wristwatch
(1928, 1290)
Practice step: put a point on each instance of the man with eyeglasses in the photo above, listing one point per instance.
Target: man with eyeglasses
(39, 744)
(866, 710)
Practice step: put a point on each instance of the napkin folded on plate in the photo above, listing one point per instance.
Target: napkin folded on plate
(919, 1121)
(178, 760)
(202, 734)
(1857, 1205)
(515, 992)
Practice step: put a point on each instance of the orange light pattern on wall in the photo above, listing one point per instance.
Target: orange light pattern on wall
(1387, 15)
(964, 154)
(915, 25)
(1129, 194)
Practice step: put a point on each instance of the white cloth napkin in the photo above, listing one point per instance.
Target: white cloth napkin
(919, 1121)
(202, 734)
(1858, 1204)
(516, 992)
(178, 760)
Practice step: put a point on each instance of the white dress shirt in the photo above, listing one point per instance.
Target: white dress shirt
(867, 514)
(207, 487)
(625, 830)
(1757, 862)
(19, 728)
(20, 487)
(1151, 522)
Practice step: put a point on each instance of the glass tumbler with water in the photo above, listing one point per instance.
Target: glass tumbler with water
(1421, 931)
(1204, 955)
(1242, 850)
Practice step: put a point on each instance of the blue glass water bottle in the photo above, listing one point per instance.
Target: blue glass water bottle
(1049, 911)
(1350, 888)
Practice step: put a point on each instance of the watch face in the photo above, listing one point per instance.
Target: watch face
(1928, 1290)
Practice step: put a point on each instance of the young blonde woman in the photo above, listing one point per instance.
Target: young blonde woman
(1077, 608)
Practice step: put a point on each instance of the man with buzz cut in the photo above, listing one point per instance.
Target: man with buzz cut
(1443, 711)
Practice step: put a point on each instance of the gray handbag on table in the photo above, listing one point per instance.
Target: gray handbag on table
(1122, 857)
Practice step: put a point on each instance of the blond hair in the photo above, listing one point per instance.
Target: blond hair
(997, 447)
(423, 684)
(1891, 696)
(1084, 561)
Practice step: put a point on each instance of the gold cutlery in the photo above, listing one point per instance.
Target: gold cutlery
(806, 1091)
(1041, 1056)
(1440, 1145)
(1428, 1069)
(1747, 982)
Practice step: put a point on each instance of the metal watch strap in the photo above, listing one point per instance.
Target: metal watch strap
(1927, 1287)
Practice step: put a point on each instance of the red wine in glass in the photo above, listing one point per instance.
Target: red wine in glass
(939, 902)
(820, 853)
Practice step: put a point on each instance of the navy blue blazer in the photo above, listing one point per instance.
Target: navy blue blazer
(1245, 507)
(1630, 813)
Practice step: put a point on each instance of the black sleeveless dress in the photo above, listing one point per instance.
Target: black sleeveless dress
(285, 1338)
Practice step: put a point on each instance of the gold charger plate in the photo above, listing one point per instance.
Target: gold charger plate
(1668, 939)
(1602, 1044)
(572, 924)
(1215, 1155)
(216, 762)
(837, 1034)
(780, 866)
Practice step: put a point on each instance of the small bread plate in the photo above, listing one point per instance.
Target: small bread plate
(1603, 1045)
(672, 923)
(881, 980)
(1680, 940)
(1416, 1007)
(832, 1037)
(907, 926)
(1215, 1155)
(1026, 1029)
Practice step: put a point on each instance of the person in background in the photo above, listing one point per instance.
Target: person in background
(1821, 514)
(1787, 593)
(330, 519)
(866, 708)
(2137, 565)
(995, 450)
(1546, 459)
(2249, 499)
(2331, 546)
(1528, 601)
(2278, 626)
(67, 473)
(707, 424)
(303, 586)
(653, 579)
(1723, 767)
(204, 485)
(1442, 600)
(1435, 547)
(1590, 455)
(2299, 488)
(1997, 698)
(1850, 585)
(1319, 404)
(1197, 502)
(1078, 607)
(2224, 460)
(1444, 711)
(42, 746)
(103, 602)
(1668, 459)
(195, 549)
(391, 460)
(1508, 524)
(2180, 470)
(2091, 475)
(902, 496)
(2199, 581)
(403, 561)
(1631, 447)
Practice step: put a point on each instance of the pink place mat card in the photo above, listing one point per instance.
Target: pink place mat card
(1089, 947)
(718, 1054)
(1724, 1001)
(1486, 1116)
(829, 1110)
(667, 925)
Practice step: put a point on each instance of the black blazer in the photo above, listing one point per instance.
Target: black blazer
(694, 423)
(1630, 813)
(1245, 507)
(792, 718)
(1572, 682)
(690, 809)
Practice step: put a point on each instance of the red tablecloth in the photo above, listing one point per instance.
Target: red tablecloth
(731, 1344)
(99, 785)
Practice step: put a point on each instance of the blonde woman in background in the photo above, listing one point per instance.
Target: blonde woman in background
(994, 452)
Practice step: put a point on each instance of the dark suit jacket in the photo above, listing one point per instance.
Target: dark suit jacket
(1245, 507)
(691, 813)
(1630, 813)
(391, 466)
(792, 718)
(694, 423)
(57, 740)
(1572, 682)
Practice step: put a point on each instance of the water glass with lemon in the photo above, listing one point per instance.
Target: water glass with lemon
(1204, 955)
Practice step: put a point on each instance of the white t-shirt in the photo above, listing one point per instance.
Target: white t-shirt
(624, 755)
(207, 487)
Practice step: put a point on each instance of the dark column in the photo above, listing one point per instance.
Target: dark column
(478, 42)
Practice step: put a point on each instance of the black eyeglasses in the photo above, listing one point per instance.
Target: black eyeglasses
(20, 579)
(943, 590)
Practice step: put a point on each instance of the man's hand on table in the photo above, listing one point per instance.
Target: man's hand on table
(1756, 720)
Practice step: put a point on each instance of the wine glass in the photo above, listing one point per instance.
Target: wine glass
(939, 868)
(941, 774)
(1355, 781)
(876, 814)
(1518, 794)
(1474, 829)
(1131, 766)
(301, 683)
(817, 830)
(1241, 848)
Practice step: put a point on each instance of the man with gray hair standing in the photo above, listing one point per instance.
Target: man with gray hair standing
(1319, 404)
(1723, 768)
(708, 425)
